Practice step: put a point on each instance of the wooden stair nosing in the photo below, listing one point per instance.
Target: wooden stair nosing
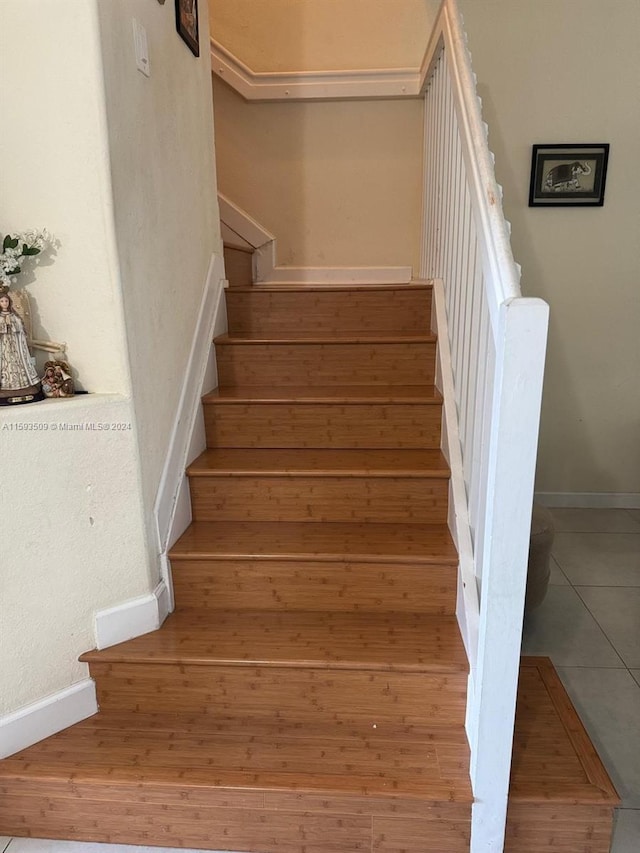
(314, 339)
(353, 395)
(382, 642)
(266, 287)
(304, 462)
(413, 544)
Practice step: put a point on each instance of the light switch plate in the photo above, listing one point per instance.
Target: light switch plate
(141, 48)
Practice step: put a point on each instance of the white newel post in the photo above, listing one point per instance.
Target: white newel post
(520, 353)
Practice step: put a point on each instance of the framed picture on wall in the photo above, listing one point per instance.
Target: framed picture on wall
(187, 23)
(568, 175)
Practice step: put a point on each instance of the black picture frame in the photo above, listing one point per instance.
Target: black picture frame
(568, 175)
(187, 24)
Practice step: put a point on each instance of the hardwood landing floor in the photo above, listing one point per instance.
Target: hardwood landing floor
(264, 784)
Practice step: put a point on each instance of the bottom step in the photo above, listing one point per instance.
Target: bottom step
(243, 785)
(265, 786)
(561, 798)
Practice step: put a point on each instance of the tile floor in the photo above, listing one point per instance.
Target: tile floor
(589, 625)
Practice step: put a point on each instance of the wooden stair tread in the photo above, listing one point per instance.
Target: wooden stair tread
(318, 463)
(553, 757)
(407, 642)
(249, 754)
(411, 543)
(329, 340)
(349, 394)
(323, 288)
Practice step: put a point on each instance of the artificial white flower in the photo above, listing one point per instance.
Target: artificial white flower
(16, 247)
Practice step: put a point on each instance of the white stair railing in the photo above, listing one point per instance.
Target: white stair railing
(493, 371)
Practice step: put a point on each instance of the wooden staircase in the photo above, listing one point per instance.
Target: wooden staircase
(308, 694)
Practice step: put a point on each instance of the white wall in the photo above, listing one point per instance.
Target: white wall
(134, 207)
(55, 175)
(165, 207)
(72, 519)
(568, 71)
(73, 537)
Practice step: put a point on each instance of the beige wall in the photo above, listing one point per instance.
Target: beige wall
(568, 71)
(323, 35)
(338, 183)
(160, 132)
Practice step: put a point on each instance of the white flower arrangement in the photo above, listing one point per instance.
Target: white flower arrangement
(18, 247)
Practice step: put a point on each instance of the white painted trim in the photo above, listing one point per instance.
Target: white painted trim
(233, 240)
(266, 270)
(312, 85)
(590, 500)
(211, 308)
(502, 274)
(468, 609)
(242, 224)
(517, 395)
(132, 618)
(339, 275)
(46, 717)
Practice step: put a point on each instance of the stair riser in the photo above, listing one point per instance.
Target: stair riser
(336, 802)
(299, 693)
(238, 267)
(323, 425)
(326, 364)
(300, 585)
(282, 313)
(187, 826)
(269, 830)
(343, 499)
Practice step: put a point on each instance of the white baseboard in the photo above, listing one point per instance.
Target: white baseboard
(132, 618)
(211, 315)
(590, 500)
(42, 719)
(338, 275)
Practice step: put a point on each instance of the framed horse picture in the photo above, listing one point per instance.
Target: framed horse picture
(187, 24)
(568, 175)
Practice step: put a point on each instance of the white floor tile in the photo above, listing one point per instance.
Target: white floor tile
(617, 611)
(626, 832)
(4, 842)
(563, 629)
(558, 577)
(636, 674)
(608, 702)
(599, 559)
(576, 520)
(41, 845)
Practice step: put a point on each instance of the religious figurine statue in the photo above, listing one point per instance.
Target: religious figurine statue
(57, 381)
(19, 381)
